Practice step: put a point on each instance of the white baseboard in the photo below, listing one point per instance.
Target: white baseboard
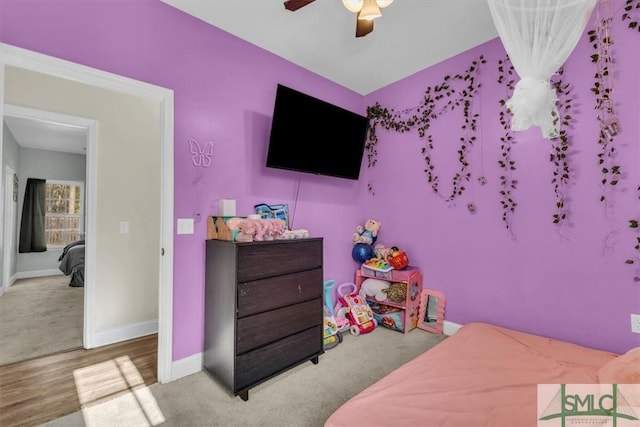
(450, 328)
(38, 273)
(12, 280)
(186, 366)
(124, 333)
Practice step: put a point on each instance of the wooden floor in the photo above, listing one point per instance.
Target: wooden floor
(40, 390)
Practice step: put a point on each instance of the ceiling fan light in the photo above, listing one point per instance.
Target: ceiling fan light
(353, 5)
(384, 3)
(370, 10)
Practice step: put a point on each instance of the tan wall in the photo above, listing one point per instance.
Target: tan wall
(128, 177)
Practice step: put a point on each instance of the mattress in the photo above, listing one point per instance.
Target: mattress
(483, 375)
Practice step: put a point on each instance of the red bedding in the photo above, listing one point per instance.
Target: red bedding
(483, 375)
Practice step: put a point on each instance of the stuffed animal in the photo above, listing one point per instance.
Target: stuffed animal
(259, 226)
(396, 292)
(247, 230)
(382, 252)
(375, 288)
(269, 231)
(278, 226)
(367, 234)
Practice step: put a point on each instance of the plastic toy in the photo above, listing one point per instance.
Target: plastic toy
(340, 310)
(378, 265)
(337, 311)
(359, 314)
(362, 252)
(331, 336)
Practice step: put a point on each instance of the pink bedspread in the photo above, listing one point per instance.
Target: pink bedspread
(483, 375)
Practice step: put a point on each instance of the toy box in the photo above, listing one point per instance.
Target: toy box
(389, 317)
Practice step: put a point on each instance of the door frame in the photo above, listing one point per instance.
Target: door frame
(33, 61)
(6, 236)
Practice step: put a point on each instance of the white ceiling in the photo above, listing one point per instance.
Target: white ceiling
(44, 135)
(410, 36)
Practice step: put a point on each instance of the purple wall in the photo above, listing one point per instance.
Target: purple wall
(224, 91)
(569, 281)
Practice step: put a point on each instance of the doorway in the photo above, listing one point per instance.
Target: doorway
(50, 146)
(16, 57)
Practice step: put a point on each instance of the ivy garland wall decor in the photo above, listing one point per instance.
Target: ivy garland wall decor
(631, 12)
(455, 92)
(508, 184)
(560, 146)
(601, 41)
(630, 16)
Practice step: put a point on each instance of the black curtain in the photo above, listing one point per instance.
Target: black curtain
(32, 235)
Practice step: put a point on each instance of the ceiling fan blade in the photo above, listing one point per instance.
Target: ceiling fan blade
(363, 27)
(294, 5)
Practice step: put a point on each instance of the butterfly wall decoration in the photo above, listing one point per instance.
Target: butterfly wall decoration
(200, 156)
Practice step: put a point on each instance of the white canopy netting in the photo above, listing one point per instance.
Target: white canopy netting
(538, 36)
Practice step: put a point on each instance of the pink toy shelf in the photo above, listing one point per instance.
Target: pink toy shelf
(400, 316)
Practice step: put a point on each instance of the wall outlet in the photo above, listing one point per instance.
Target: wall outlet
(635, 323)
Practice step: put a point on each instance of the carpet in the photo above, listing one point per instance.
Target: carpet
(304, 396)
(40, 316)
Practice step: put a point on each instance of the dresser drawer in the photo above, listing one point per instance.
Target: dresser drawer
(266, 259)
(262, 363)
(264, 328)
(266, 294)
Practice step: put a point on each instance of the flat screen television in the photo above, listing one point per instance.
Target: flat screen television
(313, 136)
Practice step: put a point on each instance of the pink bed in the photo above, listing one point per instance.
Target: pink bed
(483, 375)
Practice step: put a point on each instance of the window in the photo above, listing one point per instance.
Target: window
(64, 212)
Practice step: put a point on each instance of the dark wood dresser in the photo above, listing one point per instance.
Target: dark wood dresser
(263, 309)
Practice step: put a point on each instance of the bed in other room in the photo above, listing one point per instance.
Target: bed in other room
(72, 263)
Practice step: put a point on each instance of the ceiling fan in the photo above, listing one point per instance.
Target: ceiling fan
(366, 10)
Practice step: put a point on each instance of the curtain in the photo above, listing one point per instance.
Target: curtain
(538, 36)
(32, 235)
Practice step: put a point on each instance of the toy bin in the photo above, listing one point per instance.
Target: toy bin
(399, 261)
(373, 272)
(387, 316)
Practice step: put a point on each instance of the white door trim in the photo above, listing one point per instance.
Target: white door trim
(22, 58)
(7, 234)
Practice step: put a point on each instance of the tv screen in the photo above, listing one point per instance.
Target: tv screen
(313, 136)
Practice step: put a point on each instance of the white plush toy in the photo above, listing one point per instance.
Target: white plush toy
(374, 287)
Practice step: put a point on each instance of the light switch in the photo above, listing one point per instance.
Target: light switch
(185, 225)
(124, 227)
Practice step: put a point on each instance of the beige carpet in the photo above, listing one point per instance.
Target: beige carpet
(40, 316)
(302, 397)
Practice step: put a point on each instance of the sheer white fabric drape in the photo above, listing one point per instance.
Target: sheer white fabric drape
(538, 36)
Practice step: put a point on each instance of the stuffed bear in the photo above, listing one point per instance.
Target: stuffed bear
(259, 227)
(278, 226)
(247, 230)
(382, 252)
(367, 234)
(375, 288)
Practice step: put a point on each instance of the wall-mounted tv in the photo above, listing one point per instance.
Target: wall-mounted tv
(313, 136)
